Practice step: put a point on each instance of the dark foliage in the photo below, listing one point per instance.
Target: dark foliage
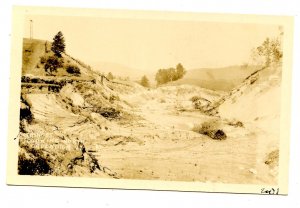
(37, 166)
(110, 113)
(33, 165)
(236, 123)
(195, 98)
(43, 59)
(171, 74)
(58, 45)
(52, 64)
(72, 69)
(25, 111)
(219, 135)
(211, 129)
(145, 81)
(26, 114)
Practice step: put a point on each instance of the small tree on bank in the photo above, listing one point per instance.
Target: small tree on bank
(110, 76)
(58, 45)
(145, 81)
(180, 71)
(271, 50)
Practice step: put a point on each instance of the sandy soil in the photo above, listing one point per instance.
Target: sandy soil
(171, 151)
(160, 144)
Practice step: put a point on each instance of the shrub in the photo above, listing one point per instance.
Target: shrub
(36, 80)
(211, 129)
(199, 103)
(110, 76)
(26, 114)
(145, 81)
(110, 113)
(206, 126)
(72, 69)
(52, 64)
(162, 100)
(25, 79)
(236, 123)
(79, 86)
(25, 111)
(43, 59)
(195, 98)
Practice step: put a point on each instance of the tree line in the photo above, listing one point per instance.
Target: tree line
(164, 76)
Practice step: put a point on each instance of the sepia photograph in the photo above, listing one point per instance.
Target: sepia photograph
(150, 100)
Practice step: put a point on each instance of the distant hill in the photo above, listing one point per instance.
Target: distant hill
(221, 79)
(224, 79)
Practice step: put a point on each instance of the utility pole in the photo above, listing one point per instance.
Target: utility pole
(31, 29)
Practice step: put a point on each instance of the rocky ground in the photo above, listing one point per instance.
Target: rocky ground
(140, 133)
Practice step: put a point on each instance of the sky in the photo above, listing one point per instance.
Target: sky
(153, 44)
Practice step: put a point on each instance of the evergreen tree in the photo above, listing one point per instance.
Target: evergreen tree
(145, 81)
(58, 45)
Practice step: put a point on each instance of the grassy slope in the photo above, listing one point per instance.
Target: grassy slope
(34, 49)
(223, 79)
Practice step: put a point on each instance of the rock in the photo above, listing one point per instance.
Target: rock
(76, 98)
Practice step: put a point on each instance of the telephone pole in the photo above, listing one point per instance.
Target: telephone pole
(31, 29)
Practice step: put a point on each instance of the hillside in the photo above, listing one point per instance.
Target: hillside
(261, 88)
(32, 49)
(53, 106)
(222, 79)
(87, 125)
(256, 102)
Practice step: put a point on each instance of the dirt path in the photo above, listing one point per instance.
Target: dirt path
(171, 151)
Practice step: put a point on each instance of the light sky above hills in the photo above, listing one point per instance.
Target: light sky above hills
(149, 45)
